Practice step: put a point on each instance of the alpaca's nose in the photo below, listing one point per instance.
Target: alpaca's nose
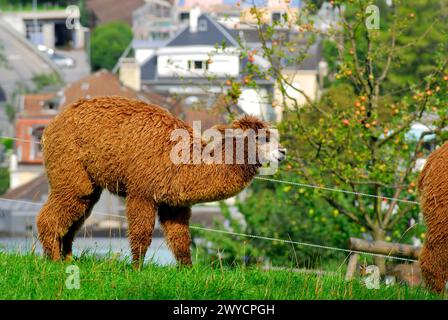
(282, 153)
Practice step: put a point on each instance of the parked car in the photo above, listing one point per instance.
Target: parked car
(59, 59)
(62, 61)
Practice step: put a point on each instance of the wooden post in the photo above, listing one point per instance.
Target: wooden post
(378, 247)
(351, 268)
(386, 248)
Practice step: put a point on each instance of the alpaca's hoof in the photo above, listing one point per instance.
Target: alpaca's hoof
(137, 265)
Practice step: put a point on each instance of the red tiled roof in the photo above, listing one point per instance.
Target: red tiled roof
(35, 105)
(105, 83)
(30, 191)
(101, 83)
(111, 10)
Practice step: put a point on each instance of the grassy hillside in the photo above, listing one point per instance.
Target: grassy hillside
(31, 277)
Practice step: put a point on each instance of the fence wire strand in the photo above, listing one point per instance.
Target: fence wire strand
(246, 235)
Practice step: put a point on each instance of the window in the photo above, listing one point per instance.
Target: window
(183, 16)
(36, 150)
(160, 35)
(32, 29)
(202, 25)
(277, 17)
(51, 105)
(198, 65)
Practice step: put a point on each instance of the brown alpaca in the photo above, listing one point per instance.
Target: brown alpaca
(124, 146)
(433, 189)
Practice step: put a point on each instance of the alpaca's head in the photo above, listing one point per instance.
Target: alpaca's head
(260, 141)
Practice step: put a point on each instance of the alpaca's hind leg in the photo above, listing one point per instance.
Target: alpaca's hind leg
(141, 219)
(49, 231)
(70, 187)
(67, 240)
(174, 221)
(55, 220)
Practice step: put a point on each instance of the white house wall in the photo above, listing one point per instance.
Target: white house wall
(49, 36)
(173, 62)
(141, 55)
(256, 102)
(16, 22)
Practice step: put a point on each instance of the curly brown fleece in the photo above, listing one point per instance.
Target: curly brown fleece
(124, 146)
(433, 188)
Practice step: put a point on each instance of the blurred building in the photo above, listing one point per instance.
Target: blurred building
(185, 64)
(154, 21)
(51, 28)
(104, 11)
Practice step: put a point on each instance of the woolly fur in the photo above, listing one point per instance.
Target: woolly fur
(124, 146)
(433, 188)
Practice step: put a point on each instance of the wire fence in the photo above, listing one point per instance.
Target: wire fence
(252, 236)
(246, 235)
(297, 184)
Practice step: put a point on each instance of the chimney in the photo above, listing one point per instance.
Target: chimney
(129, 74)
(195, 12)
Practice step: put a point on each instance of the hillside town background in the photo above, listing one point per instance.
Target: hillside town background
(345, 101)
(167, 61)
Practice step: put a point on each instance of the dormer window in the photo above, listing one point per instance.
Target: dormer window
(50, 105)
(197, 65)
(202, 25)
(277, 17)
(184, 16)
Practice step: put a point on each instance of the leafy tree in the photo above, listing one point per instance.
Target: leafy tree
(10, 112)
(42, 81)
(108, 43)
(4, 180)
(356, 137)
(8, 143)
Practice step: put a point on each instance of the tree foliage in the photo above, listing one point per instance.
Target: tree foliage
(108, 43)
(4, 180)
(357, 136)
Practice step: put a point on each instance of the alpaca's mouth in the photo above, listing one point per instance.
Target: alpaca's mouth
(279, 155)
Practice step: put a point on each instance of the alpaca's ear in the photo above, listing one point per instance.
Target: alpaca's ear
(250, 122)
(221, 128)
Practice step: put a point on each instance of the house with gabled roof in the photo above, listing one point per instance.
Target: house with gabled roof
(197, 62)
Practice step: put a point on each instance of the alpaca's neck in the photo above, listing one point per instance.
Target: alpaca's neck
(220, 181)
(213, 182)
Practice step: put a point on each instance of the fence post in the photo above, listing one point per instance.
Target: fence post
(351, 268)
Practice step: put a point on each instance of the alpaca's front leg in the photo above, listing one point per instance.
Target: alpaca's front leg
(141, 218)
(174, 221)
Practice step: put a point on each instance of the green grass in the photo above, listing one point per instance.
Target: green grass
(32, 277)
